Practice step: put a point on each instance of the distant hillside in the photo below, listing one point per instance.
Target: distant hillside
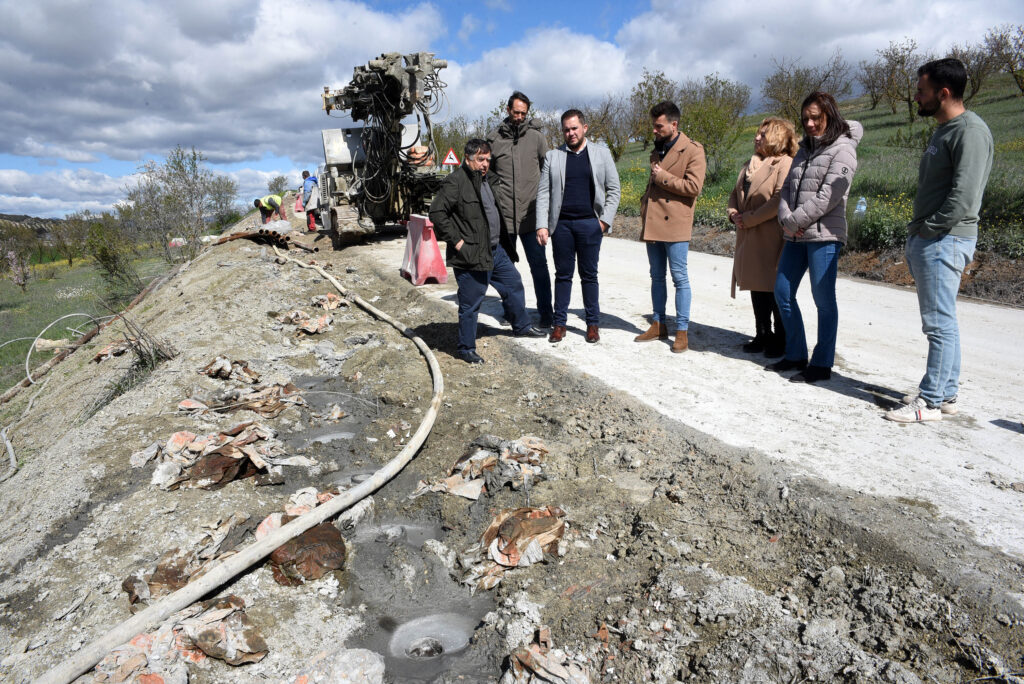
(40, 225)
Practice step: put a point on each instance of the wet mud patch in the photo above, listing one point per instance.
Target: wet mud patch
(417, 616)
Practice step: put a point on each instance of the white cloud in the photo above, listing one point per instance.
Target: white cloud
(67, 184)
(555, 67)
(234, 79)
(738, 40)
(30, 147)
(52, 194)
(468, 28)
(47, 208)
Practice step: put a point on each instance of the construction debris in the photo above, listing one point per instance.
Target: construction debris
(489, 464)
(541, 663)
(218, 628)
(268, 401)
(177, 568)
(225, 369)
(224, 631)
(329, 301)
(210, 462)
(307, 324)
(515, 538)
(313, 553)
(309, 556)
(114, 349)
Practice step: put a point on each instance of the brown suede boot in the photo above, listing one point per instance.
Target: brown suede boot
(657, 331)
(682, 343)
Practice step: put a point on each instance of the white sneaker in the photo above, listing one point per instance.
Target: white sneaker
(917, 411)
(948, 406)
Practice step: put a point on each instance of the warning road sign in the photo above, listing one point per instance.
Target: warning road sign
(450, 159)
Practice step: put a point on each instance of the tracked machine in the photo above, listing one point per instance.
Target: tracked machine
(382, 171)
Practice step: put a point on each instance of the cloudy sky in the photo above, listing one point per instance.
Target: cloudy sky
(91, 89)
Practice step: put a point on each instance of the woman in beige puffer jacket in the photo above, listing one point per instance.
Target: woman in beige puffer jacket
(812, 211)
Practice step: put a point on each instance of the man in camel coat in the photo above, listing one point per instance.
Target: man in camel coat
(666, 213)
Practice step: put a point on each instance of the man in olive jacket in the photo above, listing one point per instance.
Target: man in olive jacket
(480, 250)
(518, 147)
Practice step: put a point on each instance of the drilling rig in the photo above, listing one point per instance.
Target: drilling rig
(382, 171)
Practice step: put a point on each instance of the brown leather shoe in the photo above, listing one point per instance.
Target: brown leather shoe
(682, 343)
(657, 331)
(557, 333)
(592, 334)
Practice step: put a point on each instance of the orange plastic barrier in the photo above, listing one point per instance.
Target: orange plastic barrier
(423, 260)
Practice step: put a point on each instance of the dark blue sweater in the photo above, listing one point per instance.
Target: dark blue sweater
(578, 196)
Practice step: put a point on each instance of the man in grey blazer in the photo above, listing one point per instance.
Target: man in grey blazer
(577, 198)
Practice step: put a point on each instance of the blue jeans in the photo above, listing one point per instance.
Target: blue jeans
(674, 253)
(576, 241)
(536, 257)
(937, 265)
(472, 288)
(822, 260)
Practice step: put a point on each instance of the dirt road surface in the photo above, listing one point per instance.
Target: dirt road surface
(722, 524)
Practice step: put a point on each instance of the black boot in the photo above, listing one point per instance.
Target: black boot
(762, 322)
(756, 345)
(776, 344)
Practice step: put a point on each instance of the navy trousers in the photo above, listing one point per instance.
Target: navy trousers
(538, 262)
(576, 243)
(472, 289)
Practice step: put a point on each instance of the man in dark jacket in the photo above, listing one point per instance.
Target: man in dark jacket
(518, 147)
(480, 250)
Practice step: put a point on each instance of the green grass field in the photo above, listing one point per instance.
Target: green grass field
(54, 290)
(886, 174)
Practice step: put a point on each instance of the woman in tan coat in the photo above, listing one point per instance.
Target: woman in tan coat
(754, 210)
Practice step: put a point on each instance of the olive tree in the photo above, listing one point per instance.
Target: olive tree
(786, 87)
(871, 77)
(979, 63)
(222, 200)
(172, 199)
(609, 121)
(69, 235)
(901, 61)
(1006, 46)
(16, 244)
(712, 114)
(652, 88)
(278, 185)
